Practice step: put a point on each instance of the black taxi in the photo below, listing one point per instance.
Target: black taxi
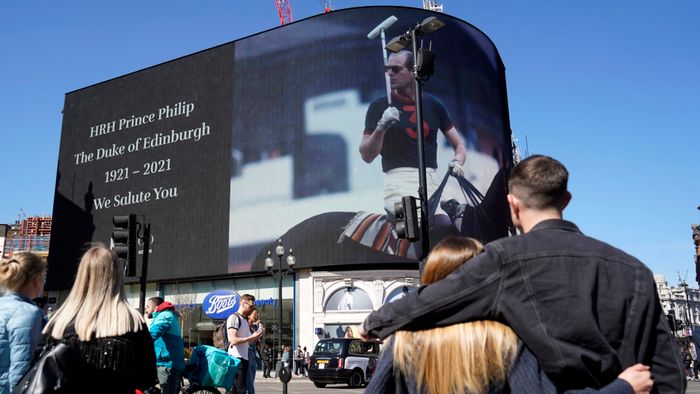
(343, 360)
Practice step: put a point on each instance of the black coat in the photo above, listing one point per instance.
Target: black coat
(585, 309)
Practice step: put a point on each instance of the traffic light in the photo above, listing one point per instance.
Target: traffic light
(124, 240)
(671, 321)
(406, 213)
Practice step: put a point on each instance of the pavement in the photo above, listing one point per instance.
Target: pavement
(298, 385)
(302, 385)
(693, 387)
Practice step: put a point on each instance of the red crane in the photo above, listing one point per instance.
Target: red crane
(284, 9)
(327, 5)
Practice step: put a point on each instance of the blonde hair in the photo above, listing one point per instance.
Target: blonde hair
(18, 270)
(96, 305)
(459, 358)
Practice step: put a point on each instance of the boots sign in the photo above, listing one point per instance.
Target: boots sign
(219, 304)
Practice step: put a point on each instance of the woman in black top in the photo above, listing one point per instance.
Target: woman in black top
(113, 349)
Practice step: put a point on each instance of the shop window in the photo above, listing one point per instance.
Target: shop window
(355, 348)
(399, 293)
(349, 299)
(362, 348)
(329, 347)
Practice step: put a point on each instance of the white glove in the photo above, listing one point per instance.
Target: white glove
(389, 118)
(457, 169)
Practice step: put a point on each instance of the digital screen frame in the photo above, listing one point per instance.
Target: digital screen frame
(229, 149)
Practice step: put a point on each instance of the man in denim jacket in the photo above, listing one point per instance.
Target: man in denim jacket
(586, 309)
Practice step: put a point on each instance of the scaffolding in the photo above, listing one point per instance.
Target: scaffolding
(32, 234)
(38, 244)
(36, 225)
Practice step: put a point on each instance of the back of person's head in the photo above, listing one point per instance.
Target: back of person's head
(461, 358)
(540, 182)
(155, 301)
(448, 255)
(96, 304)
(17, 271)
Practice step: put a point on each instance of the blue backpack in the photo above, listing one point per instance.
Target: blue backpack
(213, 367)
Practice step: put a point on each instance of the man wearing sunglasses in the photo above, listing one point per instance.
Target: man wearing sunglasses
(391, 131)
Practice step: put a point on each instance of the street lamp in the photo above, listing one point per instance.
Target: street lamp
(423, 68)
(279, 274)
(688, 319)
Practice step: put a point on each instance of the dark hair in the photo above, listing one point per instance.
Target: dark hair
(539, 182)
(40, 302)
(248, 297)
(156, 300)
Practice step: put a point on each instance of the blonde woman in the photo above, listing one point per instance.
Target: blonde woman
(476, 357)
(22, 277)
(115, 347)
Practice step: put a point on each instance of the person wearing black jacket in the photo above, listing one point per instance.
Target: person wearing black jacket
(585, 309)
(111, 343)
(267, 362)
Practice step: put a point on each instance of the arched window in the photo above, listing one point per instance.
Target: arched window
(349, 299)
(399, 293)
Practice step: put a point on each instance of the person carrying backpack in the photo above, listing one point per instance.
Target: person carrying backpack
(240, 337)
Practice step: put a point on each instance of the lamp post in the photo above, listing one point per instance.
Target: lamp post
(279, 274)
(688, 320)
(423, 68)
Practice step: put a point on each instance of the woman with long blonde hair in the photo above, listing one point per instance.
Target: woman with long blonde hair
(115, 347)
(476, 357)
(22, 278)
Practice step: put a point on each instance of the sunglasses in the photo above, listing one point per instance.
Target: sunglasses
(394, 69)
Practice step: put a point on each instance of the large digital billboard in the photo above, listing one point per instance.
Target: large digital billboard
(227, 150)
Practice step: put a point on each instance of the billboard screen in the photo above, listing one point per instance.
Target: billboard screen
(276, 135)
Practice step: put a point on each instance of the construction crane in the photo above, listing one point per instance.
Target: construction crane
(284, 9)
(432, 5)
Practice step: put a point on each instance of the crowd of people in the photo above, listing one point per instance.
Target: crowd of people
(547, 311)
(113, 349)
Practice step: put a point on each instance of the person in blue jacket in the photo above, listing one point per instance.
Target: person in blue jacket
(170, 349)
(21, 321)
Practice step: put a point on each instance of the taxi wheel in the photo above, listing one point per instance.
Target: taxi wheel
(355, 380)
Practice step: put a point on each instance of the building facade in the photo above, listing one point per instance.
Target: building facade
(316, 304)
(683, 303)
(221, 180)
(31, 234)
